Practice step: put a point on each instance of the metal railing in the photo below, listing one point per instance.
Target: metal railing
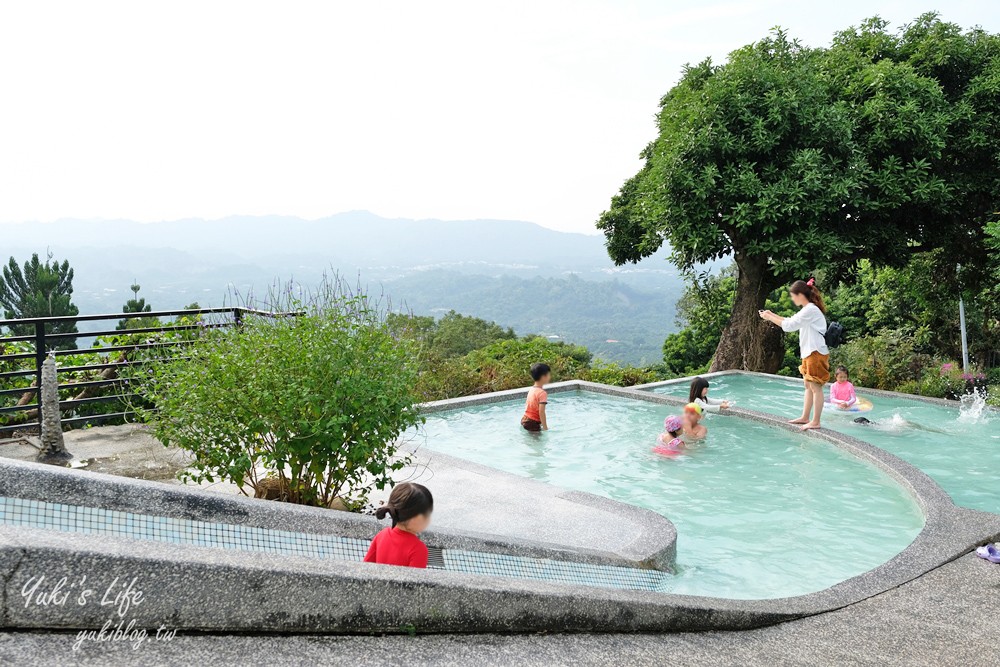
(25, 414)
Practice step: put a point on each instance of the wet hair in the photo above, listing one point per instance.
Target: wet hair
(406, 501)
(811, 292)
(538, 371)
(842, 369)
(697, 386)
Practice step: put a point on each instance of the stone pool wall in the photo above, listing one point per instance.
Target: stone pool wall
(200, 588)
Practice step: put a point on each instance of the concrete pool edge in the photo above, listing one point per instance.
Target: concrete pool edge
(201, 588)
(948, 532)
(655, 548)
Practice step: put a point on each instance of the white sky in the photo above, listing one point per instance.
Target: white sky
(525, 110)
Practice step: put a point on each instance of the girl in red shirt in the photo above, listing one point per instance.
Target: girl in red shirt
(410, 506)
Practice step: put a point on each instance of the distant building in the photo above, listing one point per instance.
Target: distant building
(612, 340)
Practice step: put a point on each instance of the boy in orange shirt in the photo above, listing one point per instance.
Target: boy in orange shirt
(534, 409)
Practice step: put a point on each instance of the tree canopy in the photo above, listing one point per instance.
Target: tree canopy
(137, 304)
(40, 289)
(794, 159)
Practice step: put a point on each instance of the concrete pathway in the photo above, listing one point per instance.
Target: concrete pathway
(947, 617)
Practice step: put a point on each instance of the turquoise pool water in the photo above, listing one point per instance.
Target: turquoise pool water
(760, 512)
(958, 448)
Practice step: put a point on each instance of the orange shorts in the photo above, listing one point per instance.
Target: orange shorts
(816, 368)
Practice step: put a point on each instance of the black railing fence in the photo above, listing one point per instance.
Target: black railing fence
(97, 369)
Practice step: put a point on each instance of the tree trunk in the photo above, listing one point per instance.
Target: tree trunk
(749, 343)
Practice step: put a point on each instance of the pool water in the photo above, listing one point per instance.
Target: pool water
(958, 448)
(760, 512)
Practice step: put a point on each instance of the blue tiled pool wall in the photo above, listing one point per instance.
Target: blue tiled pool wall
(97, 521)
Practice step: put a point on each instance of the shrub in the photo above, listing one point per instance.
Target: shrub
(618, 375)
(883, 361)
(316, 400)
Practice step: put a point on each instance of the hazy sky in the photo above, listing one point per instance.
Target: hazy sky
(527, 110)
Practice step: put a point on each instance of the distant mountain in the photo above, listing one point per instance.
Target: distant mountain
(520, 274)
(357, 239)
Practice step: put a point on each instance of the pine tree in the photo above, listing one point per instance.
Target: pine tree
(41, 289)
(136, 305)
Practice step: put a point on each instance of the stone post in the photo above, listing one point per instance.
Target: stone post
(53, 447)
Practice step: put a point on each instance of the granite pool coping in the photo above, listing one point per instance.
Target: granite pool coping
(201, 588)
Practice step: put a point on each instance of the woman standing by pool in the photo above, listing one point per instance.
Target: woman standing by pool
(810, 322)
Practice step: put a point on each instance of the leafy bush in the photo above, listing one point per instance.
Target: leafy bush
(618, 375)
(501, 365)
(505, 365)
(702, 312)
(316, 400)
(883, 361)
(454, 335)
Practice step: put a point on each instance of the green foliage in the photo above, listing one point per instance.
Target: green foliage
(316, 400)
(619, 375)
(921, 300)
(752, 157)
(137, 305)
(794, 159)
(890, 360)
(454, 335)
(41, 289)
(502, 365)
(702, 311)
(612, 318)
(882, 361)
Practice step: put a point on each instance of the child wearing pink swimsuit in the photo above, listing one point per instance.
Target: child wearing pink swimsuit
(669, 442)
(842, 391)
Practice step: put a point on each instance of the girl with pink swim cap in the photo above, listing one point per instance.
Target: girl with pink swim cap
(669, 442)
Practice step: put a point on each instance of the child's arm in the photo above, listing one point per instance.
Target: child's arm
(852, 398)
(709, 404)
(419, 556)
(541, 417)
(370, 556)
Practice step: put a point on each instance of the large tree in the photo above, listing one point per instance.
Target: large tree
(41, 289)
(792, 159)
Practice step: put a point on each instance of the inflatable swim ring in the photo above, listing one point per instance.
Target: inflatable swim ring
(863, 405)
(667, 446)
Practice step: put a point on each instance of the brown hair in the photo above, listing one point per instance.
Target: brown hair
(809, 291)
(697, 386)
(406, 501)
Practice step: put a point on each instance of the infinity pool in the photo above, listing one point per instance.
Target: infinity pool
(760, 512)
(958, 449)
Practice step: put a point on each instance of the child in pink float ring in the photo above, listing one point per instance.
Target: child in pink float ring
(842, 391)
(669, 442)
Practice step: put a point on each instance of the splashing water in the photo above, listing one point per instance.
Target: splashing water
(895, 423)
(973, 409)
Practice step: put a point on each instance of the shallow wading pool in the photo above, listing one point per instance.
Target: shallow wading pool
(760, 512)
(958, 448)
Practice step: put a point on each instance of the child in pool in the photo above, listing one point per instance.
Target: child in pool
(692, 415)
(669, 442)
(699, 395)
(842, 391)
(410, 506)
(535, 419)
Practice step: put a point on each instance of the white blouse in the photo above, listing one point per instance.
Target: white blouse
(811, 325)
(709, 404)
